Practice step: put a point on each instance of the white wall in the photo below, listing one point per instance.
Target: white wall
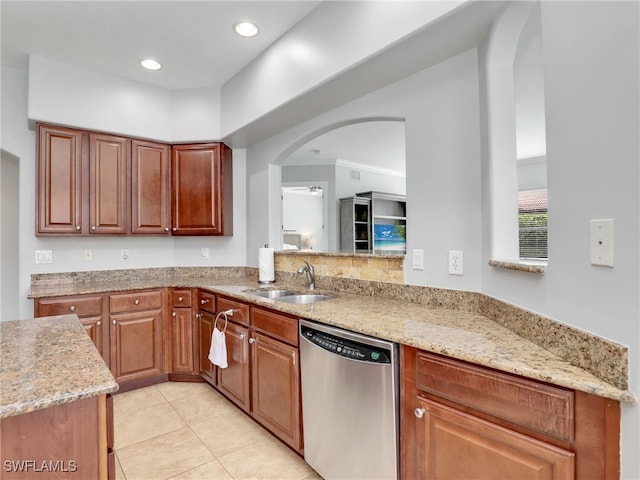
(79, 97)
(9, 214)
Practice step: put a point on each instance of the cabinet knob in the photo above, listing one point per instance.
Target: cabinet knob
(114, 322)
(174, 314)
(242, 336)
(72, 308)
(98, 323)
(203, 302)
(175, 229)
(166, 229)
(78, 228)
(198, 316)
(136, 302)
(419, 412)
(252, 340)
(180, 299)
(93, 227)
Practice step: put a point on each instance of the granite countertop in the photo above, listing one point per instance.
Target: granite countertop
(48, 361)
(458, 334)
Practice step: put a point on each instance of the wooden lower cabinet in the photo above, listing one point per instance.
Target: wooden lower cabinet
(234, 381)
(455, 445)
(71, 440)
(461, 421)
(275, 378)
(207, 369)
(183, 344)
(90, 309)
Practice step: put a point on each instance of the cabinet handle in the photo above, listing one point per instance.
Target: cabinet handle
(98, 323)
(114, 322)
(78, 228)
(72, 308)
(180, 299)
(252, 340)
(203, 302)
(136, 302)
(174, 314)
(419, 412)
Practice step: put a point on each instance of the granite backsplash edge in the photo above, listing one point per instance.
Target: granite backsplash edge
(605, 359)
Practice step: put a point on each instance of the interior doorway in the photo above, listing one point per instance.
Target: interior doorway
(9, 238)
(304, 217)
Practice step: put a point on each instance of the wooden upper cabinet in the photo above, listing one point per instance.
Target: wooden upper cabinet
(202, 196)
(59, 181)
(150, 188)
(108, 186)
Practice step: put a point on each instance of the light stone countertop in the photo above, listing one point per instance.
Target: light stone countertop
(458, 334)
(48, 361)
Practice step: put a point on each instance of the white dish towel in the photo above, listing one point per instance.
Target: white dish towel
(218, 350)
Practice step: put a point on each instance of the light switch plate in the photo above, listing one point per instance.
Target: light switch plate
(601, 242)
(418, 259)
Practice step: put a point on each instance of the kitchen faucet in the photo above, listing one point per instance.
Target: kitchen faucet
(308, 269)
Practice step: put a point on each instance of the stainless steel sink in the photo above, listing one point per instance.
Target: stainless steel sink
(301, 299)
(272, 293)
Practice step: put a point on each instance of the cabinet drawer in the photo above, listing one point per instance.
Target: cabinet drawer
(81, 306)
(130, 302)
(530, 404)
(240, 310)
(206, 301)
(278, 326)
(181, 298)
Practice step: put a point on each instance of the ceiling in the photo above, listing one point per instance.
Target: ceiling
(193, 40)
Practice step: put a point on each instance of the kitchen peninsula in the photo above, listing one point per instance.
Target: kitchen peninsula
(460, 365)
(55, 409)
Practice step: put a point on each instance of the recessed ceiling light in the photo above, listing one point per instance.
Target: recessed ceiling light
(246, 29)
(150, 64)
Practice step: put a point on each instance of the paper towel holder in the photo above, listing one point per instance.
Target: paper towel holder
(263, 281)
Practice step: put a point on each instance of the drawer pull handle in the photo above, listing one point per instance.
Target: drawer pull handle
(136, 301)
(72, 308)
(419, 412)
(98, 323)
(180, 299)
(203, 302)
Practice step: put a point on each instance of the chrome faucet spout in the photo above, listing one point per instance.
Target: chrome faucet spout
(309, 270)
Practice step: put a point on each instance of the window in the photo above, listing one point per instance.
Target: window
(532, 223)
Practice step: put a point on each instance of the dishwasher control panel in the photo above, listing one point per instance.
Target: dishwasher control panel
(346, 348)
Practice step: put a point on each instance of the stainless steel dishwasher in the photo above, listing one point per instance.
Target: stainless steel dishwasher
(349, 403)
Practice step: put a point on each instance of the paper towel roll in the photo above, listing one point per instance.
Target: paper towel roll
(266, 270)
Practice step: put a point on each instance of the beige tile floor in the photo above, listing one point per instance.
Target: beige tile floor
(185, 431)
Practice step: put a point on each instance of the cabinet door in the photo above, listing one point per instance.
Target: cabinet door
(276, 388)
(455, 445)
(182, 341)
(150, 188)
(233, 381)
(201, 195)
(59, 181)
(108, 184)
(95, 328)
(207, 369)
(136, 345)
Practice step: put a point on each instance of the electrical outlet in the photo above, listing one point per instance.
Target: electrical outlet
(124, 255)
(455, 262)
(205, 252)
(88, 254)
